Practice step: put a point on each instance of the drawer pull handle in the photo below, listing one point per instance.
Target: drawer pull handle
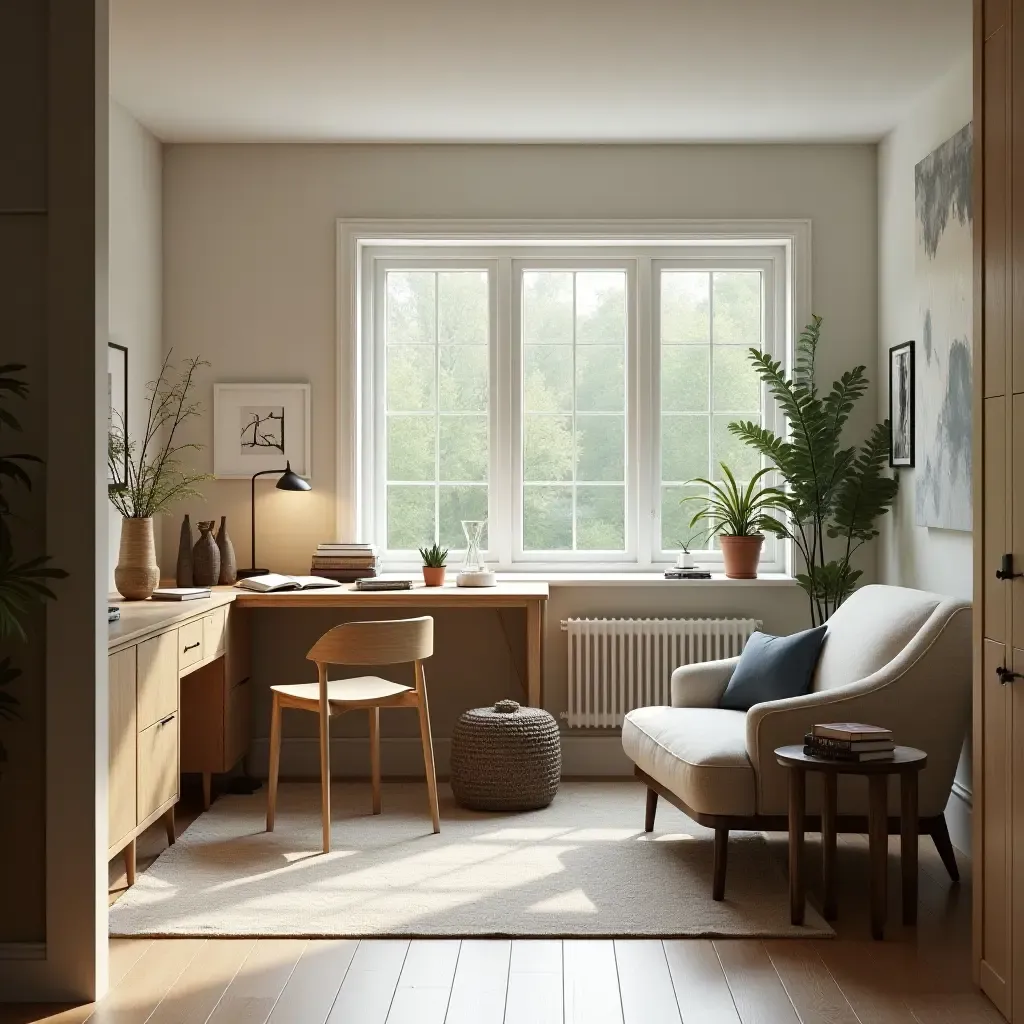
(191, 647)
(164, 721)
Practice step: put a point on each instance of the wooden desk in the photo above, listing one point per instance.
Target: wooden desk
(532, 596)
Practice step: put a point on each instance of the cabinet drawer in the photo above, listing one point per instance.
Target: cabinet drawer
(121, 751)
(214, 632)
(158, 766)
(190, 644)
(158, 678)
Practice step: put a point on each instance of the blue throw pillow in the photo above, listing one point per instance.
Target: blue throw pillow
(772, 668)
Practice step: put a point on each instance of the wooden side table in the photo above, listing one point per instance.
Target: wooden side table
(906, 762)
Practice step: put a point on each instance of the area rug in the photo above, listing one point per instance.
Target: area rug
(581, 867)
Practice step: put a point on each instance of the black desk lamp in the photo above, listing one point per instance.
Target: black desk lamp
(289, 482)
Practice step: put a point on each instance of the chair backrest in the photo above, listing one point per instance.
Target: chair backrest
(870, 629)
(385, 642)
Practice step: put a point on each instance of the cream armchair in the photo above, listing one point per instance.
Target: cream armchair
(892, 656)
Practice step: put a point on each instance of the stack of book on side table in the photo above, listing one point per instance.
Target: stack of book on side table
(345, 563)
(849, 741)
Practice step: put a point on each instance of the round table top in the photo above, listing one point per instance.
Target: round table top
(903, 757)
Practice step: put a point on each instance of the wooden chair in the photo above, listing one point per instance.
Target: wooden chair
(359, 643)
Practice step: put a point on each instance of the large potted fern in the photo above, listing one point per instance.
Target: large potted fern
(834, 493)
(155, 475)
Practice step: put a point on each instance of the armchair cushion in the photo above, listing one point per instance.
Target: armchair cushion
(773, 668)
(700, 754)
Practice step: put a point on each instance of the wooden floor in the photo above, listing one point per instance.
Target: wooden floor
(917, 976)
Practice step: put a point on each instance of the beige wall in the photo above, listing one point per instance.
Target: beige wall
(136, 271)
(908, 554)
(249, 282)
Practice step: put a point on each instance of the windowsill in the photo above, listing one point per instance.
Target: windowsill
(625, 579)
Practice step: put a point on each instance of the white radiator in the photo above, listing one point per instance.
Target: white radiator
(616, 665)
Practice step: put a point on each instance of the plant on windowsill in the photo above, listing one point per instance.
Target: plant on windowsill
(831, 492)
(684, 560)
(155, 475)
(435, 559)
(738, 516)
(24, 582)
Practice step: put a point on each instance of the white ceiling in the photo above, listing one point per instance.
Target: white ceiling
(529, 70)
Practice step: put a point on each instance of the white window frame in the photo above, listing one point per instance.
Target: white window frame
(648, 245)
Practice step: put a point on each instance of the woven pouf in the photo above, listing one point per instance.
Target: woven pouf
(505, 758)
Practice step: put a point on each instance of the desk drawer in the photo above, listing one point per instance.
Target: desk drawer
(215, 631)
(190, 644)
(158, 766)
(157, 678)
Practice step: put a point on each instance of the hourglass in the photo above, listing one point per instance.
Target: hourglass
(474, 573)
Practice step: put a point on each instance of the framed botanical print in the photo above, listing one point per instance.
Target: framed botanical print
(117, 411)
(259, 427)
(901, 405)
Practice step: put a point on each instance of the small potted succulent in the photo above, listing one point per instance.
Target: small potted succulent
(435, 558)
(738, 515)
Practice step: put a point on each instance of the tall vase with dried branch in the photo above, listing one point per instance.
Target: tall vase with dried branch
(156, 474)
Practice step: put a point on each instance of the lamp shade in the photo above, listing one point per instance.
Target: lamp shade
(292, 481)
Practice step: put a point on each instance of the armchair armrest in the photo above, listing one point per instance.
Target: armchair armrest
(701, 685)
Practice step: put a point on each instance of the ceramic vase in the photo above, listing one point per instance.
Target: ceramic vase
(136, 575)
(183, 574)
(228, 564)
(741, 555)
(205, 557)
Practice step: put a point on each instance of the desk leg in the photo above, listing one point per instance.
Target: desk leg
(908, 844)
(129, 863)
(797, 795)
(534, 629)
(878, 844)
(830, 782)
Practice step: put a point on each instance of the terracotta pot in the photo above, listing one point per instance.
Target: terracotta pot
(741, 555)
(433, 575)
(136, 575)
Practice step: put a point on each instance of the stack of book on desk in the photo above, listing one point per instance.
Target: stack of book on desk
(849, 741)
(345, 562)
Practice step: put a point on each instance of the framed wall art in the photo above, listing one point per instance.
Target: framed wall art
(259, 427)
(901, 405)
(117, 409)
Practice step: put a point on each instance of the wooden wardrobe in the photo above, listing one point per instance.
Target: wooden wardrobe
(998, 458)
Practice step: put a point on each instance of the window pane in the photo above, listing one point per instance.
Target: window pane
(684, 448)
(464, 448)
(547, 448)
(547, 307)
(410, 378)
(458, 503)
(675, 518)
(601, 308)
(600, 518)
(464, 378)
(410, 517)
(600, 378)
(547, 378)
(411, 448)
(600, 448)
(463, 316)
(547, 518)
(411, 314)
(738, 308)
(685, 307)
(737, 386)
(684, 378)
(743, 460)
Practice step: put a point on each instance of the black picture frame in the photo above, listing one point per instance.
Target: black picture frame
(902, 421)
(117, 399)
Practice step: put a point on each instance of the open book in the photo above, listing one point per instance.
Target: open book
(273, 581)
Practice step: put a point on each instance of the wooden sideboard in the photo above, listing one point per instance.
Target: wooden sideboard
(179, 702)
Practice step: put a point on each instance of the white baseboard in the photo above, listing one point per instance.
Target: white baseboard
(958, 817)
(350, 758)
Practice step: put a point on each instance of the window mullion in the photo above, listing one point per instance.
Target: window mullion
(505, 489)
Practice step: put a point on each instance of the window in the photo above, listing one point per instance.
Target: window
(566, 392)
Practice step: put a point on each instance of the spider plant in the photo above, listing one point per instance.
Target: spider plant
(736, 511)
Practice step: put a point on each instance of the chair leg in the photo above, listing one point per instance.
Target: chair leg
(275, 762)
(940, 836)
(428, 753)
(325, 777)
(652, 809)
(721, 856)
(375, 757)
